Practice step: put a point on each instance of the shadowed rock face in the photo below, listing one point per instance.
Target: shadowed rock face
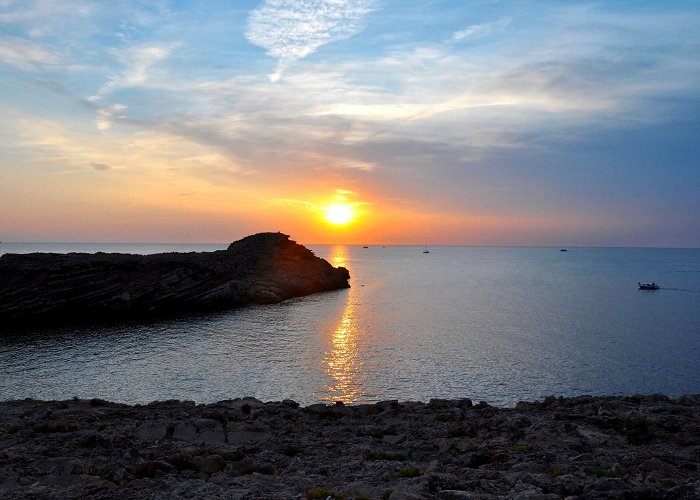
(77, 287)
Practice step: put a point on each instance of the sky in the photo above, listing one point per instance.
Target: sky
(449, 122)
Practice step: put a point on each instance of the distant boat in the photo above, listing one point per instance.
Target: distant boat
(365, 247)
(563, 250)
(647, 286)
(426, 249)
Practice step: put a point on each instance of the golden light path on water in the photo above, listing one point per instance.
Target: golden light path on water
(342, 361)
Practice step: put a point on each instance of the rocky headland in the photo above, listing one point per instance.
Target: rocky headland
(582, 447)
(49, 288)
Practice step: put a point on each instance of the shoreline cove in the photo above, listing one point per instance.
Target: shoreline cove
(580, 447)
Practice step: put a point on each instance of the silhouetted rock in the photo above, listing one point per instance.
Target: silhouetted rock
(78, 287)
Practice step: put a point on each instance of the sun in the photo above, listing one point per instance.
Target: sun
(339, 215)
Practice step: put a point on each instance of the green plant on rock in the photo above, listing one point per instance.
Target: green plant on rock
(597, 470)
(409, 472)
(559, 470)
(668, 483)
(14, 428)
(322, 494)
(375, 433)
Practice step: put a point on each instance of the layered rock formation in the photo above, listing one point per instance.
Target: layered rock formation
(584, 447)
(73, 288)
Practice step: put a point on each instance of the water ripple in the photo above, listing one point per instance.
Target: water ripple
(495, 324)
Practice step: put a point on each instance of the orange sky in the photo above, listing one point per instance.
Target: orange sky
(446, 122)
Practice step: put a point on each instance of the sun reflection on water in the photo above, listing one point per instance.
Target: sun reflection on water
(342, 362)
(339, 256)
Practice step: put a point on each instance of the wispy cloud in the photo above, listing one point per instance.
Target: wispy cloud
(345, 196)
(40, 16)
(480, 30)
(106, 116)
(138, 66)
(26, 55)
(101, 167)
(293, 29)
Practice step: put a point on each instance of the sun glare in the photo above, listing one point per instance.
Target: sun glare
(339, 215)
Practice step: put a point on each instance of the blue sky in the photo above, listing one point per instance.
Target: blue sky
(483, 122)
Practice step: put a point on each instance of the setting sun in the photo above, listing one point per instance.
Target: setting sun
(339, 215)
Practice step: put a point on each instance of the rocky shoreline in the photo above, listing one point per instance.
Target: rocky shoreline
(56, 289)
(581, 447)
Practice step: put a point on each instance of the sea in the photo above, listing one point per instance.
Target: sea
(494, 324)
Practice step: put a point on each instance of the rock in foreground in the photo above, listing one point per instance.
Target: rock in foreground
(584, 447)
(76, 287)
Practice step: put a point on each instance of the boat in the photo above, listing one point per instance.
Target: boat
(563, 250)
(647, 286)
(426, 249)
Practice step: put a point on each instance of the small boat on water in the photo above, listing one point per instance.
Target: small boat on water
(426, 249)
(647, 286)
(563, 250)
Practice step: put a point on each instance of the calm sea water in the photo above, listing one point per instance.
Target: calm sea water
(494, 324)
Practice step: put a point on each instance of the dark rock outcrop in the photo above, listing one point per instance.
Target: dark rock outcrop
(76, 287)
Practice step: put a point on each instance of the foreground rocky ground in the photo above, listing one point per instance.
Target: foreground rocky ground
(584, 447)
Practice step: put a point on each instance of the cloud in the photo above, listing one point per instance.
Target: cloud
(352, 163)
(106, 116)
(138, 65)
(480, 30)
(43, 14)
(215, 165)
(99, 166)
(26, 55)
(293, 29)
(344, 196)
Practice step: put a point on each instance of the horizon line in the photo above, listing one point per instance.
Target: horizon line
(369, 245)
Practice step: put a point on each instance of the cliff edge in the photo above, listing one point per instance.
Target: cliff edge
(49, 288)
